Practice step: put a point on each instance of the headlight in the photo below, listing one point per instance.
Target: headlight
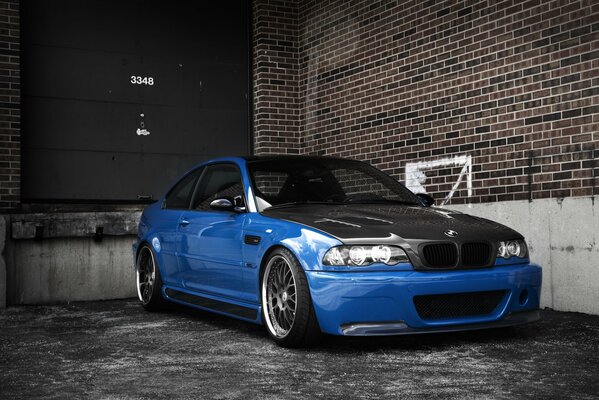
(512, 248)
(357, 255)
(365, 255)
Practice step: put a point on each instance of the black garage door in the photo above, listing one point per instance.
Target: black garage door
(121, 97)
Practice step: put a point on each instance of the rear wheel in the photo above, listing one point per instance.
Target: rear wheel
(286, 304)
(148, 280)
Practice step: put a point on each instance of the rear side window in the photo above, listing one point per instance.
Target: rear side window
(180, 196)
(219, 181)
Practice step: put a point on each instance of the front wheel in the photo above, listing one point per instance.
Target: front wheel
(286, 304)
(148, 280)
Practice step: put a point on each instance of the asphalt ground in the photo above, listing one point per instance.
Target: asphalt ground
(116, 350)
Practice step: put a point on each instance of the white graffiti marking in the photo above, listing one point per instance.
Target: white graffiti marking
(416, 176)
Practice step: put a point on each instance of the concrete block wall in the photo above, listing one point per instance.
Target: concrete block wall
(62, 270)
(58, 257)
(563, 237)
(63, 257)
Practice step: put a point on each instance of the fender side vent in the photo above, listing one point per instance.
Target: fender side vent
(251, 239)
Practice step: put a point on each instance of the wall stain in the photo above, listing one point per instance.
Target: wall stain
(572, 249)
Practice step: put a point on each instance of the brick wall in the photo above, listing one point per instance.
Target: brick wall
(10, 108)
(513, 84)
(276, 76)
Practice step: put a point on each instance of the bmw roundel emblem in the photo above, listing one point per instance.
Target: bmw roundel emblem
(450, 233)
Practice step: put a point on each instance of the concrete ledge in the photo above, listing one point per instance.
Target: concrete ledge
(64, 225)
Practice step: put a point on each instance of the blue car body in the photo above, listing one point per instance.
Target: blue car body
(207, 255)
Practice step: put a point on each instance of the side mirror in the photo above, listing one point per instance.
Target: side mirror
(426, 200)
(222, 205)
(228, 204)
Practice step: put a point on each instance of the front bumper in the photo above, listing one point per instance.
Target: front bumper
(381, 303)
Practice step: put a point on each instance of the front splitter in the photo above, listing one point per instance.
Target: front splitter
(401, 328)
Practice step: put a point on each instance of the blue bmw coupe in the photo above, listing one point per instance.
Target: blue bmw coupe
(306, 245)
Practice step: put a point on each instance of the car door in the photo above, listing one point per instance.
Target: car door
(166, 225)
(210, 252)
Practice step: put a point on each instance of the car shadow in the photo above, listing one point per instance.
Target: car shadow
(345, 344)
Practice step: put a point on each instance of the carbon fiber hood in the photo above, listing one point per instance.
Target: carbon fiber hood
(391, 223)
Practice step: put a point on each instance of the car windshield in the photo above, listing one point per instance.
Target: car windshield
(291, 181)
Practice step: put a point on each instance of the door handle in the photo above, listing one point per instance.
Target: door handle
(184, 222)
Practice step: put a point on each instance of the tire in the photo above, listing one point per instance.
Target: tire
(287, 308)
(148, 280)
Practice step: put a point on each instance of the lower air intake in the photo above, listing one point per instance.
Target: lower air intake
(456, 305)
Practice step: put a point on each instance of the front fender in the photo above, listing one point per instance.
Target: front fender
(307, 244)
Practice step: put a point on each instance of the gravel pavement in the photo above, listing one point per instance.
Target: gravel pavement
(116, 350)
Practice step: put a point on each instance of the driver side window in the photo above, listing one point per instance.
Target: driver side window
(218, 181)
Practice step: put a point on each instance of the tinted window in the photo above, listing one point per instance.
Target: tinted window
(180, 195)
(355, 183)
(219, 181)
(270, 183)
(299, 180)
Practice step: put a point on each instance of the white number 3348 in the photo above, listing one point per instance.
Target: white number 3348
(142, 80)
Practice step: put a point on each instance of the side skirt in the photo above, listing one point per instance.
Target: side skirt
(214, 305)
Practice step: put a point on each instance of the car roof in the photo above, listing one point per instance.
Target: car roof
(270, 157)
